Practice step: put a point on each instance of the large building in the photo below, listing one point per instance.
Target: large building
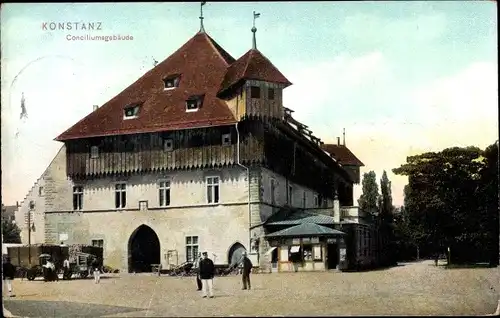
(201, 154)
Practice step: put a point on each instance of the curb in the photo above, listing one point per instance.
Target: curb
(7, 313)
(497, 312)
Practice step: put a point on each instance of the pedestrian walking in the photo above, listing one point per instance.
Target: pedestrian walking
(9, 272)
(66, 269)
(247, 269)
(96, 270)
(207, 270)
(50, 274)
(197, 270)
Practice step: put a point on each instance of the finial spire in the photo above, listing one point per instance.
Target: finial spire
(254, 30)
(202, 29)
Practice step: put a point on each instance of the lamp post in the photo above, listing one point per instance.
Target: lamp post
(31, 208)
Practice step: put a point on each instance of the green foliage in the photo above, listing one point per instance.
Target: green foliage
(11, 232)
(386, 207)
(448, 201)
(368, 201)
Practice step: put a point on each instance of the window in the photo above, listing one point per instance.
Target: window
(98, 243)
(213, 189)
(193, 103)
(168, 145)
(254, 91)
(94, 152)
(120, 195)
(131, 112)
(226, 139)
(164, 193)
(191, 248)
(273, 191)
(77, 198)
(143, 205)
(171, 82)
(290, 195)
(304, 198)
(307, 252)
(316, 201)
(318, 253)
(270, 93)
(40, 191)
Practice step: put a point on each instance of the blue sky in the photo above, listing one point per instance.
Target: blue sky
(401, 77)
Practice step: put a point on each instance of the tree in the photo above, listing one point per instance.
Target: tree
(489, 209)
(443, 201)
(368, 201)
(386, 207)
(11, 232)
(386, 223)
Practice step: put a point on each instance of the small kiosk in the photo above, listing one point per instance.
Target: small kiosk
(307, 247)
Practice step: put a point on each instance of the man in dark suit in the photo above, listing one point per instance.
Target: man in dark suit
(9, 272)
(207, 270)
(247, 269)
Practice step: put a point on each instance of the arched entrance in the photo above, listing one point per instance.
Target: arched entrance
(235, 253)
(143, 250)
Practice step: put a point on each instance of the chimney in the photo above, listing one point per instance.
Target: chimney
(338, 141)
(17, 204)
(95, 107)
(344, 138)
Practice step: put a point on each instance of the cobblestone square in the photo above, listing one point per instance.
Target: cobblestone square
(409, 289)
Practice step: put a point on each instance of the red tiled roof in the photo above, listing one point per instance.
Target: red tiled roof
(253, 65)
(342, 154)
(202, 64)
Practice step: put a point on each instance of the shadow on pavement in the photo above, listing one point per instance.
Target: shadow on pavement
(377, 269)
(33, 308)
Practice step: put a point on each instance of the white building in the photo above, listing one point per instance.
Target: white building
(199, 154)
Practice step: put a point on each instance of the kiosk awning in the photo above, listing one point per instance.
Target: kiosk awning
(307, 229)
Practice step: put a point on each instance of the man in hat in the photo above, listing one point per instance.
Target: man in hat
(247, 269)
(207, 270)
(197, 269)
(9, 272)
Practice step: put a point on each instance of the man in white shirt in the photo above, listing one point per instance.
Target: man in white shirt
(66, 268)
(196, 267)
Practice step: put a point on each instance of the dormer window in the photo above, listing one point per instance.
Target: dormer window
(254, 92)
(226, 139)
(193, 103)
(270, 93)
(94, 152)
(131, 111)
(168, 145)
(172, 81)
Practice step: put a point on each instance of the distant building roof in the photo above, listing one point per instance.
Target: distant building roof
(343, 155)
(306, 229)
(8, 211)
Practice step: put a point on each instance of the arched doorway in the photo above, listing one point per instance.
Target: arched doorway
(235, 253)
(143, 250)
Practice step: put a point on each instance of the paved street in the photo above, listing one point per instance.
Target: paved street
(411, 289)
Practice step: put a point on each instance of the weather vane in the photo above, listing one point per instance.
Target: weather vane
(254, 30)
(202, 29)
